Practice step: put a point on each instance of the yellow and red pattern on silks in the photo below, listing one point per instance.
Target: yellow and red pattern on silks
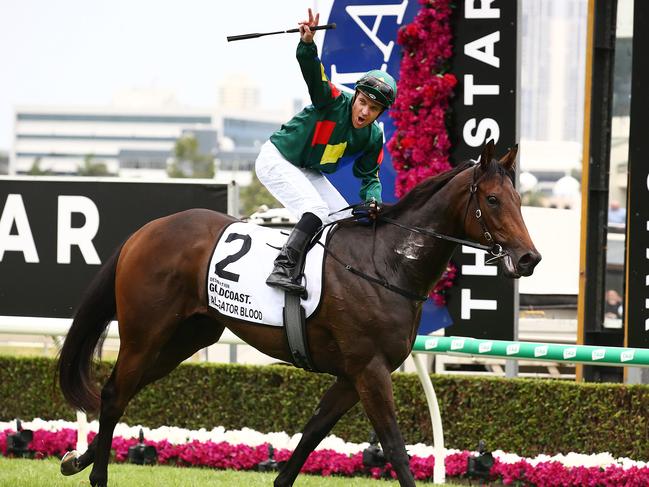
(335, 92)
(322, 132)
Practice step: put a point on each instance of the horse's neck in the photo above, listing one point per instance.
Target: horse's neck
(419, 260)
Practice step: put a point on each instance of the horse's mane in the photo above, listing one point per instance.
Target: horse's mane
(425, 189)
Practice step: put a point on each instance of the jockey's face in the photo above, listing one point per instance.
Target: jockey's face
(364, 110)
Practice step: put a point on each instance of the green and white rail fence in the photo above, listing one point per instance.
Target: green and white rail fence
(582, 354)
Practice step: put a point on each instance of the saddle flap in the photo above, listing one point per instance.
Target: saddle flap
(242, 260)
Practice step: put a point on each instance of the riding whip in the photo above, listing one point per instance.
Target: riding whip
(260, 34)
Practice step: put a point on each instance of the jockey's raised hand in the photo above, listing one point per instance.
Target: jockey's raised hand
(305, 27)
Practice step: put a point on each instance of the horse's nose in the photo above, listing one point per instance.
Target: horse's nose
(527, 263)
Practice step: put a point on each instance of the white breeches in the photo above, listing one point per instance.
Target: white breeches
(299, 190)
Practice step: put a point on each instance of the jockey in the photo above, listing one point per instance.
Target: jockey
(291, 164)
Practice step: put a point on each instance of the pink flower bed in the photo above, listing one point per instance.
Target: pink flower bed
(420, 145)
(223, 455)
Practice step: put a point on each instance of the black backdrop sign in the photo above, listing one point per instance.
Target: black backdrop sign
(485, 64)
(55, 234)
(637, 307)
(637, 286)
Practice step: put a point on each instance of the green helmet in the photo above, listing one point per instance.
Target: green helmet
(379, 86)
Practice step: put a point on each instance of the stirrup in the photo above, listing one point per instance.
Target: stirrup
(285, 283)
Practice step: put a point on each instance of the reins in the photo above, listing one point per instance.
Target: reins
(495, 249)
(374, 279)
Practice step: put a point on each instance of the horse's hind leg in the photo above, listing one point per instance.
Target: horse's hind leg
(192, 335)
(338, 399)
(133, 370)
(115, 395)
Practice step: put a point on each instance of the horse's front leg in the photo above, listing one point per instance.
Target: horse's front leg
(374, 386)
(338, 399)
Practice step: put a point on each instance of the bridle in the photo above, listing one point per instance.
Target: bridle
(495, 249)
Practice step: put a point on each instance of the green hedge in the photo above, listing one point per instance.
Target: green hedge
(527, 417)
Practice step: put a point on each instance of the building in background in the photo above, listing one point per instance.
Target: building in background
(239, 92)
(553, 50)
(4, 163)
(136, 135)
(130, 142)
(621, 103)
(242, 134)
(135, 145)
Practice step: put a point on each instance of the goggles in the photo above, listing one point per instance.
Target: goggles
(382, 87)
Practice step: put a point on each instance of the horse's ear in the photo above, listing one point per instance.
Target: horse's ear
(509, 160)
(487, 155)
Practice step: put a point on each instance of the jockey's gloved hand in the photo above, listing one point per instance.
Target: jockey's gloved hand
(367, 212)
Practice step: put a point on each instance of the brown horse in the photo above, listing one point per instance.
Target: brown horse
(155, 286)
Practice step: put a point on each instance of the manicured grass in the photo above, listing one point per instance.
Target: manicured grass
(39, 473)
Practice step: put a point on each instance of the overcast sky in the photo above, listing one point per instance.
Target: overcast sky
(82, 52)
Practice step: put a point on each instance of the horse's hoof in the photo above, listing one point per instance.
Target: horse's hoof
(70, 463)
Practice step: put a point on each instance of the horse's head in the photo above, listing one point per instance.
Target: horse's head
(493, 215)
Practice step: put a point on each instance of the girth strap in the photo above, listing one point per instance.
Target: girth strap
(295, 327)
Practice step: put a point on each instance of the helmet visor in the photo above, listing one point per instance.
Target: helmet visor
(384, 90)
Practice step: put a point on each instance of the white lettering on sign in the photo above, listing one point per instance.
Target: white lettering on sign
(67, 236)
(457, 344)
(22, 241)
(513, 349)
(485, 347)
(357, 13)
(342, 79)
(646, 279)
(480, 268)
(541, 351)
(378, 12)
(627, 355)
(569, 353)
(431, 343)
(598, 354)
(487, 129)
(483, 49)
(469, 304)
(484, 11)
(470, 89)
(474, 133)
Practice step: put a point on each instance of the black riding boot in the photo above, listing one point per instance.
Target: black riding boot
(288, 264)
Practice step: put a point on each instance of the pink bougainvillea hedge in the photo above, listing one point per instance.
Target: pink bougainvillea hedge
(420, 145)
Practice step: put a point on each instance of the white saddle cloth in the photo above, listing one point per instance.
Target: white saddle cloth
(241, 262)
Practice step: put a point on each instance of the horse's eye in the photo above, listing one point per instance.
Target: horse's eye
(492, 200)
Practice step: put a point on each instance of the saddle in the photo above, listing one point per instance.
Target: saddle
(242, 259)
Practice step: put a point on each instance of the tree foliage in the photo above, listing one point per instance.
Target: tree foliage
(93, 168)
(188, 162)
(254, 195)
(36, 170)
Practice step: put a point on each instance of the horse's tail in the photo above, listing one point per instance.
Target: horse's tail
(98, 307)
